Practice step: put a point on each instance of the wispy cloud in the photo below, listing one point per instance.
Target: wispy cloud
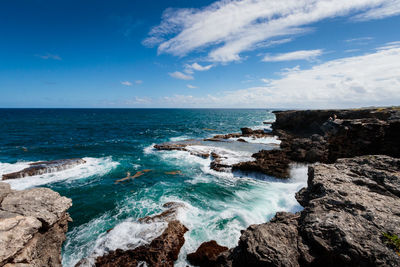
(181, 76)
(191, 86)
(49, 56)
(126, 83)
(296, 55)
(198, 67)
(230, 28)
(336, 83)
(138, 81)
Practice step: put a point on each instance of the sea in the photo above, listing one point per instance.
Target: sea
(113, 142)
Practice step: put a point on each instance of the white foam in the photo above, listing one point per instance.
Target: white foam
(261, 140)
(149, 149)
(128, 235)
(179, 138)
(92, 167)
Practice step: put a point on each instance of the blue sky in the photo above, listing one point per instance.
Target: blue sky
(250, 53)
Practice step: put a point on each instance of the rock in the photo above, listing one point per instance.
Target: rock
(271, 162)
(42, 167)
(347, 208)
(207, 254)
(42, 203)
(162, 251)
(33, 224)
(170, 146)
(246, 131)
(217, 163)
(167, 215)
(309, 135)
(241, 140)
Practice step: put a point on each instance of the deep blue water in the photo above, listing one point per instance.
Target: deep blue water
(117, 141)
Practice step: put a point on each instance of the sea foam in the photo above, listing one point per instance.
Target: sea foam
(92, 167)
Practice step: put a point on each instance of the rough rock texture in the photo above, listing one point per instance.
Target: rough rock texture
(311, 136)
(162, 251)
(42, 167)
(33, 224)
(347, 207)
(315, 136)
(207, 254)
(270, 162)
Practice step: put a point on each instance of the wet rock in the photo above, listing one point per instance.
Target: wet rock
(42, 167)
(207, 254)
(217, 163)
(165, 216)
(162, 251)
(241, 140)
(347, 208)
(33, 224)
(271, 162)
(171, 146)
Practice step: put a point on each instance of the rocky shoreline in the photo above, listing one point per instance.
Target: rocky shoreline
(351, 204)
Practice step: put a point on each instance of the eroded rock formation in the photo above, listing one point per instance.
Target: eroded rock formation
(33, 224)
(347, 208)
(42, 167)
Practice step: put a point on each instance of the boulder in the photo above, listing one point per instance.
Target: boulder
(207, 254)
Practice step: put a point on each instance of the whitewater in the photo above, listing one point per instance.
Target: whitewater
(216, 205)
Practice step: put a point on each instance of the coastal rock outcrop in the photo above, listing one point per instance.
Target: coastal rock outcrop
(42, 167)
(207, 254)
(270, 162)
(162, 251)
(348, 208)
(33, 224)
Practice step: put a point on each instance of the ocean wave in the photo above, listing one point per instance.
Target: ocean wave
(261, 140)
(92, 167)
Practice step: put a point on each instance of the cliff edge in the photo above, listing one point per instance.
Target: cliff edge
(33, 224)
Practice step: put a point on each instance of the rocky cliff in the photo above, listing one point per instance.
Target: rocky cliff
(33, 224)
(351, 213)
(350, 207)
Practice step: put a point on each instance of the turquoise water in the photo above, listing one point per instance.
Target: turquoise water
(114, 142)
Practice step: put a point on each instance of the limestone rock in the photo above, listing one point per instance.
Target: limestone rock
(33, 224)
(42, 167)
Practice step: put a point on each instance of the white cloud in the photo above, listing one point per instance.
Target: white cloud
(386, 9)
(231, 27)
(138, 101)
(359, 39)
(191, 86)
(198, 67)
(138, 81)
(127, 83)
(180, 75)
(296, 55)
(370, 79)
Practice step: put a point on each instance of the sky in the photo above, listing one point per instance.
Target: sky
(199, 54)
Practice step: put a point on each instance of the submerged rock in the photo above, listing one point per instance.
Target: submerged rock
(42, 167)
(33, 224)
(347, 208)
(207, 254)
(162, 251)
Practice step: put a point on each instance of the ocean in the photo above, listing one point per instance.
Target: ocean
(116, 141)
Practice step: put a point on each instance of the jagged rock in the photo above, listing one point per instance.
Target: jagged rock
(217, 163)
(167, 215)
(171, 146)
(311, 136)
(42, 167)
(347, 208)
(270, 162)
(33, 224)
(162, 251)
(207, 254)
